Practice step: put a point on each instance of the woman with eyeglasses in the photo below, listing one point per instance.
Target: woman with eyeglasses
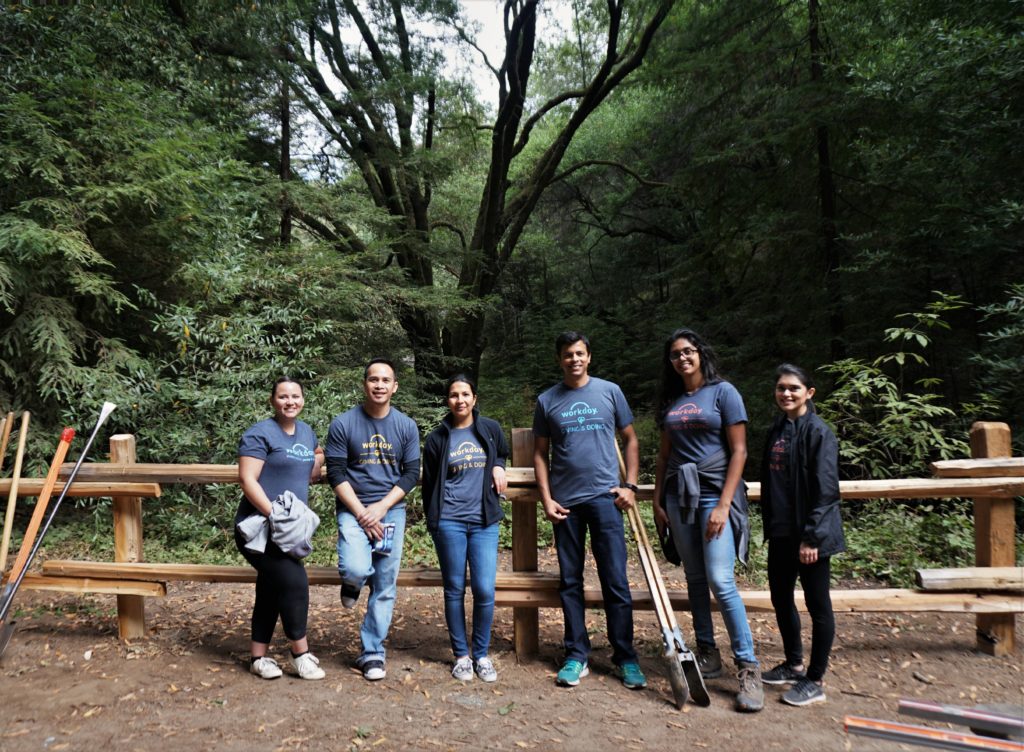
(699, 493)
(800, 508)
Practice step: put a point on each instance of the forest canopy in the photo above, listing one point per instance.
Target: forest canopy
(198, 197)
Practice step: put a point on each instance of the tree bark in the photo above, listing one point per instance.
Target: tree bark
(830, 243)
(286, 163)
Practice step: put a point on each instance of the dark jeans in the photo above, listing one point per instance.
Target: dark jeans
(608, 543)
(282, 589)
(784, 568)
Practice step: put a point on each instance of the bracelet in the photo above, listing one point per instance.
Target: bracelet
(632, 487)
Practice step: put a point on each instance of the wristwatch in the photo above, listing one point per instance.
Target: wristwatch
(632, 487)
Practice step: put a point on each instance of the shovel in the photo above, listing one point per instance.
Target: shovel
(24, 559)
(683, 672)
(12, 499)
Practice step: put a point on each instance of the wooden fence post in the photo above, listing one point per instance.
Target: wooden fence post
(993, 536)
(525, 621)
(131, 613)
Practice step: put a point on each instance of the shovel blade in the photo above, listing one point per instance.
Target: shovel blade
(680, 688)
(5, 637)
(694, 679)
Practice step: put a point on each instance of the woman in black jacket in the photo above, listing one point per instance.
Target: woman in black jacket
(800, 507)
(463, 479)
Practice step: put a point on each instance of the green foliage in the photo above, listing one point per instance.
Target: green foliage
(885, 430)
(1000, 358)
(888, 541)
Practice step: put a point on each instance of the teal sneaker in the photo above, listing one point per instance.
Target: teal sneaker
(631, 675)
(571, 673)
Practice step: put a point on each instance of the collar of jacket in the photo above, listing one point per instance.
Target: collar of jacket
(447, 421)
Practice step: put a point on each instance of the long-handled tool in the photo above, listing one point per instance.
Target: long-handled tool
(683, 672)
(18, 574)
(42, 501)
(12, 499)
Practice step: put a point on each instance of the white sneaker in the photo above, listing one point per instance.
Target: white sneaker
(485, 670)
(265, 668)
(373, 670)
(308, 667)
(463, 669)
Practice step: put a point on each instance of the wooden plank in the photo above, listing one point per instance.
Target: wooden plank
(525, 621)
(522, 482)
(94, 585)
(994, 535)
(33, 486)
(154, 472)
(540, 589)
(171, 572)
(1007, 579)
(994, 467)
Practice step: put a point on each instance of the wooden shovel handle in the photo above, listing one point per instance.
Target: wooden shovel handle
(13, 497)
(41, 503)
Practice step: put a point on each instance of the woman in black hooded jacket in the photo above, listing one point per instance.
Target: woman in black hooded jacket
(800, 508)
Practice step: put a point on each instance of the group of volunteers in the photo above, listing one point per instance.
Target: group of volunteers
(372, 461)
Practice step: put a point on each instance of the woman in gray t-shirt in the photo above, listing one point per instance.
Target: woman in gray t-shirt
(699, 471)
(276, 455)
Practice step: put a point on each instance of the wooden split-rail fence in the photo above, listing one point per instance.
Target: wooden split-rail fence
(994, 590)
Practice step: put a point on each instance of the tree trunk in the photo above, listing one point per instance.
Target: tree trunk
(827, 202)
(286, 163)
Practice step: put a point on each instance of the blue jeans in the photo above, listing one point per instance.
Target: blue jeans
(608, 542)
(458, 543)
(710, 568)
(358, 566)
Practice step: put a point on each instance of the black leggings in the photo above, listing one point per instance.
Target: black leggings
(282, 589)
(783, 569)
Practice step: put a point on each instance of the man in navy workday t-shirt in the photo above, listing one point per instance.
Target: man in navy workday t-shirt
(373, 461)
(576, 421)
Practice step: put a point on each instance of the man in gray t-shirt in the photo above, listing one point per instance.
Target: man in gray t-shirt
(576, 421)
(373, 461)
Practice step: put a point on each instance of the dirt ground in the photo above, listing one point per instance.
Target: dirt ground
(67, 683)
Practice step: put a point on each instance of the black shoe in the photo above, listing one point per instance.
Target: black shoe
(709, 661)
(804, 692)
(349, 595)
(782, 674)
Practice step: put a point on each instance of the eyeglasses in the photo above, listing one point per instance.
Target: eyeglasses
(686, 352)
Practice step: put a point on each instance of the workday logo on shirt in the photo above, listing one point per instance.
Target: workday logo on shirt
(580, 417)
(299, 453)
(685, 417)
(465, 456)
(377, 451)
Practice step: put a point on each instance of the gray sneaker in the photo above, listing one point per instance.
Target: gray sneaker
(804, 692)
(463, 670)
(485, 670)
(709, 661)
(265, 668)
(750, 698)
(782, 674)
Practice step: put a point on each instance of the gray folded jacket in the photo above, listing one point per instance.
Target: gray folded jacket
(712, 471)
(290, 527)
